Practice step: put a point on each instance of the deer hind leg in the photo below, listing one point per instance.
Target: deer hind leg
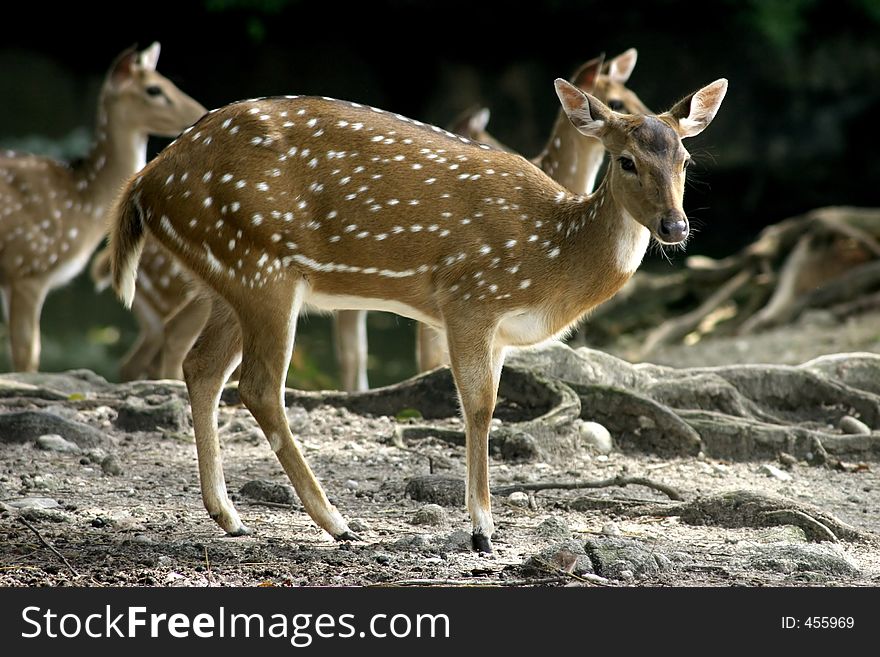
(137, 363)
(216, 353)
(476, 366)
(180, 332)
(430, 348)
(25, 305)
(350, 333)
(268, 332)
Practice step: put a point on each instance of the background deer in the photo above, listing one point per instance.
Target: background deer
(52, 214)
(277, 203)
(571, 158)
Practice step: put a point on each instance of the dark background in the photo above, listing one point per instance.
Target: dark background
(795, 132)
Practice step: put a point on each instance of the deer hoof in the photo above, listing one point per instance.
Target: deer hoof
(481, 543)
(348, 535)
(241, 530)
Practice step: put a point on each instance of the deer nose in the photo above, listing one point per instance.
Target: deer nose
(673, 227)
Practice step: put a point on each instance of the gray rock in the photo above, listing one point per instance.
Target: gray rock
(457, 541)
(52, 442)
(137, 415)
(519, 447)
(553, 528)
(851, 425)
(822, 558)
(613, 557)
(165, 561)
(25, 426)
(358, 525)
(568, 556)
(110, 466)
(436, 489)
(596, 436)
(32, 503)
(268, 491)
(430, 514)
(611, 529)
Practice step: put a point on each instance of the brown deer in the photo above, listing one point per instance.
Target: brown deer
(571, 158)
(52, 214)
(277, 203)
(170, 318)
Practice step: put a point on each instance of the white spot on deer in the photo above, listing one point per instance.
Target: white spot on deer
(332, 214)
(234, 206)
(525, 283)
(207, 202)
(430, 181)
(257, 219)
(276, 237)
(263, 187)
(169, 179)
(485, 249)
(351, 228)
(553, 253)
(413, 201)
(240, 184)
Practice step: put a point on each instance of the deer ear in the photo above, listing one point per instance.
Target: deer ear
(149, 57)
(693, 113)
(586, 113)
(479, 120)
(123, 67)
(621, 67)
(585, 77)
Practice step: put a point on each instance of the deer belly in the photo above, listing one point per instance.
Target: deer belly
(330, 302)
(68, 270)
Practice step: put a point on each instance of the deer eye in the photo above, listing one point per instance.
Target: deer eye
(616, 105)
(154, 90)
(627, 164)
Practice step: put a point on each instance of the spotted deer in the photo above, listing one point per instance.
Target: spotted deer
(52, 214)
(170, 317)
(571, 158)
(279, 203)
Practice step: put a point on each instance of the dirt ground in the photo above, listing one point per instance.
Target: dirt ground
(138, 520)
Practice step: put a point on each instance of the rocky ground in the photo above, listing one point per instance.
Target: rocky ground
(776, 471)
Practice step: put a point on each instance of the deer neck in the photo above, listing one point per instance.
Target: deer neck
(570, 158)
(118, 152)
(601, 246)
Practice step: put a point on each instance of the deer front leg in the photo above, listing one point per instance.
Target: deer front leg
(216, 353)
(350, 333)
(25, 305)
(476, 366)
(268, 332)
(430, 349)
(180, 332)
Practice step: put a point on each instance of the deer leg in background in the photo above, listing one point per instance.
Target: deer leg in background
(138, 363)
(25, 304)
(430, 348)
(350, 337)
(180, 332)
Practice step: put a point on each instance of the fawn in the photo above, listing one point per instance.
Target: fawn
(52, 214)
(276, 203)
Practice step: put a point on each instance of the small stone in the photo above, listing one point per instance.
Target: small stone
(553, 528)
(611, 529)
(165, 561)
(430, 514)
(436, 489)
(383, 558)
(54, 443)
(457, 541)
(568, 556)
(518, 498)
(110, 466)
(137, 415)
(268, 491)
(100, 521)
(596, 436)
(773, 471)
(787, 460)
(851, 425)
(357, 525)
(519, 447)
(627, 575)
(351, 484)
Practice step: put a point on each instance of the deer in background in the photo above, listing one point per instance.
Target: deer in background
(571, 158)
(279, 203)
(52, 214)
(170, 316)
